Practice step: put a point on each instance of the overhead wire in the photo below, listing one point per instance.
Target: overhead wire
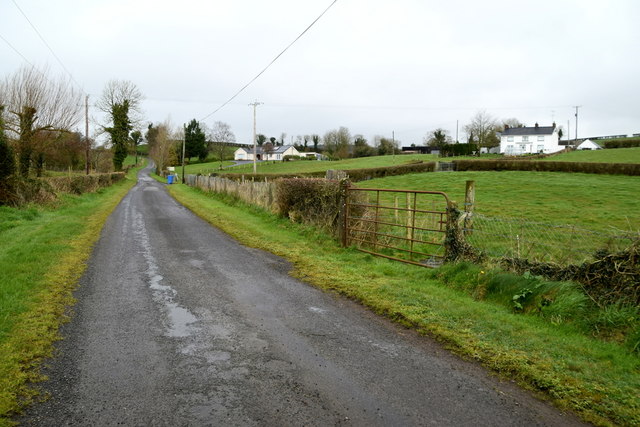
(48, 46)
(270, 63)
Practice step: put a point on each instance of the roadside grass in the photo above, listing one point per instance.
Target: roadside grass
(609, 155)
(597, 202)
(43, 254)
(598, 380)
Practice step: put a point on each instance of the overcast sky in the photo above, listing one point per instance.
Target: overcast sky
(373, 66)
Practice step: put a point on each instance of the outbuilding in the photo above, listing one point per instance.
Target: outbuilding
(588, 144)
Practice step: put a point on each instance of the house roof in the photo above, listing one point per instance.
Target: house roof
(533, 130)
(259, 150)
(589, 142)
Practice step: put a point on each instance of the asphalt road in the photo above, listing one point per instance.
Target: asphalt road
(178, 324)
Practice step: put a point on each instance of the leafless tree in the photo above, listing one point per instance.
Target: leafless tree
(36, 103)
(482, 129)
(163, 152)
(221, 135)
(117, 92)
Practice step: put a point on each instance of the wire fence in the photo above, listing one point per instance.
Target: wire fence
(542, 242)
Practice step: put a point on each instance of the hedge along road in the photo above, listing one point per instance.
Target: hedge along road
(178, 324)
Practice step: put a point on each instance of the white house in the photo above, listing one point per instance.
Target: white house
(588, 144)
(277, 153)
(529, 140)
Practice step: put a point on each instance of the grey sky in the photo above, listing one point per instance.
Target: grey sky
(374, 66)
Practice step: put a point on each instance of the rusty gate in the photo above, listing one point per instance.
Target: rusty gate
(403, 225)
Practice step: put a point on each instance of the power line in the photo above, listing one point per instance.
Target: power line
(47, 45)
(270, 63)
(16, 50)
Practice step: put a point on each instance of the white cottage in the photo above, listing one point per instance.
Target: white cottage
(588, 144)
(529, 140)
(277, 153)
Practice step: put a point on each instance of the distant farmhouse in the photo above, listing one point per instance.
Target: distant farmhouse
(277, 153)
(529, 140)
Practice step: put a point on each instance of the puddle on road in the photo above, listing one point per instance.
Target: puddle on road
(180, 320)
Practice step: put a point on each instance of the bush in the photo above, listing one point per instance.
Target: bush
(79, 184)
(632, 169)
(18, 191)
(610, 279)
(622, 143)
(310, 201)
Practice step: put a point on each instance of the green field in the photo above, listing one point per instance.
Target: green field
(613, 155)
(600, 202)
(302, 166)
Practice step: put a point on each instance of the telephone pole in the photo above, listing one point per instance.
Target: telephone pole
(86, 132)
(254, 104)
(576, 107)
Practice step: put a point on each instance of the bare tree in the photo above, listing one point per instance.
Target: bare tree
(482, 129)
(221, 136)
(163, 152)
(336, 142)
(116, 92)
(37, 103)
(120, 101)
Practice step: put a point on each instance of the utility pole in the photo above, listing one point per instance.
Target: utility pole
(457, 131)
(576, 107)
(184, 143)
(254, 104)
(393, 141)
(86, 132)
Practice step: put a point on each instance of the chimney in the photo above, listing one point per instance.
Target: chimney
(554, 125)
(506, 126)
(536, 125)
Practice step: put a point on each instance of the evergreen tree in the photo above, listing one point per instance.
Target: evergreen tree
(194, 141)
(120, 133)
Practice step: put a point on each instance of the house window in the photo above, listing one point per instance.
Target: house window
(525, 139)
(540, 148)
(540, 138)
(509, 139)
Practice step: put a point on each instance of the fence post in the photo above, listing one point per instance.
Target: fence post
(469, 204)
(344, 211)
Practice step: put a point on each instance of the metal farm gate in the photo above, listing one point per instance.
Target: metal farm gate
(403, 225)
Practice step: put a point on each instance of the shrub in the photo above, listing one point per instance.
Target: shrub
(631, 169)
(309, 200)
(622, 143)
(79, 184)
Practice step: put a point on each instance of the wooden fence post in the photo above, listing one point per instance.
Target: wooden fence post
(469, 204)
(344, 211)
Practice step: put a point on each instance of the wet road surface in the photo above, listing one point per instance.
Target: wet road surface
(178, 324)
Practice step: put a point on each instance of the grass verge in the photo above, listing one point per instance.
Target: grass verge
(597, 380)
(44, 253)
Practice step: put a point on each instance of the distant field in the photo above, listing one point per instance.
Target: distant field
(302, 166)
(611, 155)
(209, 167)
(597, 202)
